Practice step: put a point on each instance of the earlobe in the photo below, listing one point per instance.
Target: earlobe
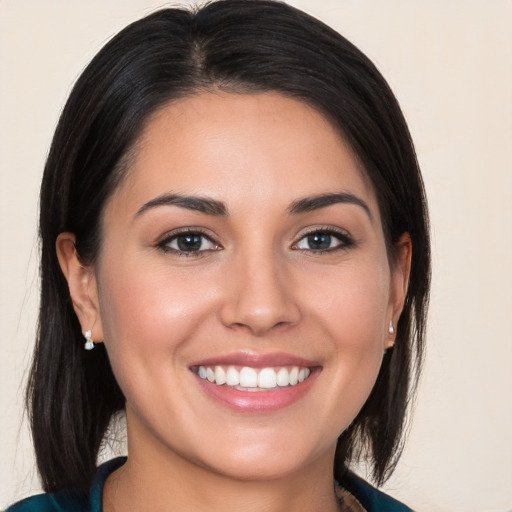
(82, 286)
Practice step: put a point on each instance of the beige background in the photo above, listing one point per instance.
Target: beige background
(450, 64)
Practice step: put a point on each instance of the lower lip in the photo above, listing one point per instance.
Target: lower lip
(258, 401)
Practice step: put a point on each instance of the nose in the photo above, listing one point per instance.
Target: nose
(259, 296)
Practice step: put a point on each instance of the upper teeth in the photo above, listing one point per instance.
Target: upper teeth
(247, 377)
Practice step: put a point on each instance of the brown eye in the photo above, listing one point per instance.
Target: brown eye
(324, 241)
(320, 241)
(192, 242)
(188, 242)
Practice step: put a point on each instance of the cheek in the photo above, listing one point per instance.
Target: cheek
(147, 312)
(352, 304)
(351, 308)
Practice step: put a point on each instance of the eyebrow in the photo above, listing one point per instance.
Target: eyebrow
(211, 206)
(200, 204)
(308, 204)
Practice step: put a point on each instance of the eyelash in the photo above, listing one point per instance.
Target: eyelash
(345, 242)
(164, 244)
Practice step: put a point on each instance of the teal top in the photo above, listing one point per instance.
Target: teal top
(370, 498)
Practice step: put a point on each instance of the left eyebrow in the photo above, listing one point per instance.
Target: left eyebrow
(308, 204)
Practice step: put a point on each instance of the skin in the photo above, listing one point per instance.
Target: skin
(257, 288)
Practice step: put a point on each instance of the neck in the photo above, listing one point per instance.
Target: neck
(158, 478)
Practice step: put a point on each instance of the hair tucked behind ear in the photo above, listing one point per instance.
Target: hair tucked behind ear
(238, 46)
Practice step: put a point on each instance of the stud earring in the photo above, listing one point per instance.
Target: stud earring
(391, 329)
(89, 342)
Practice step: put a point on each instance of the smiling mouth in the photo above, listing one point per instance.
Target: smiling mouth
(247, 378)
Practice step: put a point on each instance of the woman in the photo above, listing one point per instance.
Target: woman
(235, 253)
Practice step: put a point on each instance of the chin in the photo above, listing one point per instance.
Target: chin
(265, 458)
(263, 467)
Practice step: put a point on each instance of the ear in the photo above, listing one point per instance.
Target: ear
(400, 270)
(82, 286)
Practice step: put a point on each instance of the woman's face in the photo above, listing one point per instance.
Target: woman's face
(244, 245)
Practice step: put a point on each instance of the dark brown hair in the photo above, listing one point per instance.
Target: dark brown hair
(239, 46)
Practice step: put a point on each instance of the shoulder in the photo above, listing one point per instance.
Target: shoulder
(71, 501)
(54, 502)
(371, 498)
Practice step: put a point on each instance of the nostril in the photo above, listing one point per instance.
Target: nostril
(257, 298)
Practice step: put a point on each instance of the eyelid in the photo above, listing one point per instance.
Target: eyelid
(346, 240)
(164, 241)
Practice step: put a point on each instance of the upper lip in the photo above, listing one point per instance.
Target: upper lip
(254, 360)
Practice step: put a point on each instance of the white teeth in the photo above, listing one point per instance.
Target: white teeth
(210, 374)
(220, 375)
(294, 376)
(253, 379)
(232, 377)
(283, 377)
(248, 377)
(267, 378)
(304, 374)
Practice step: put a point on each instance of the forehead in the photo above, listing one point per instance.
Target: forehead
(242, 149)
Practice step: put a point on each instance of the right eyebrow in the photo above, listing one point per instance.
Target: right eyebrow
(205, 205)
